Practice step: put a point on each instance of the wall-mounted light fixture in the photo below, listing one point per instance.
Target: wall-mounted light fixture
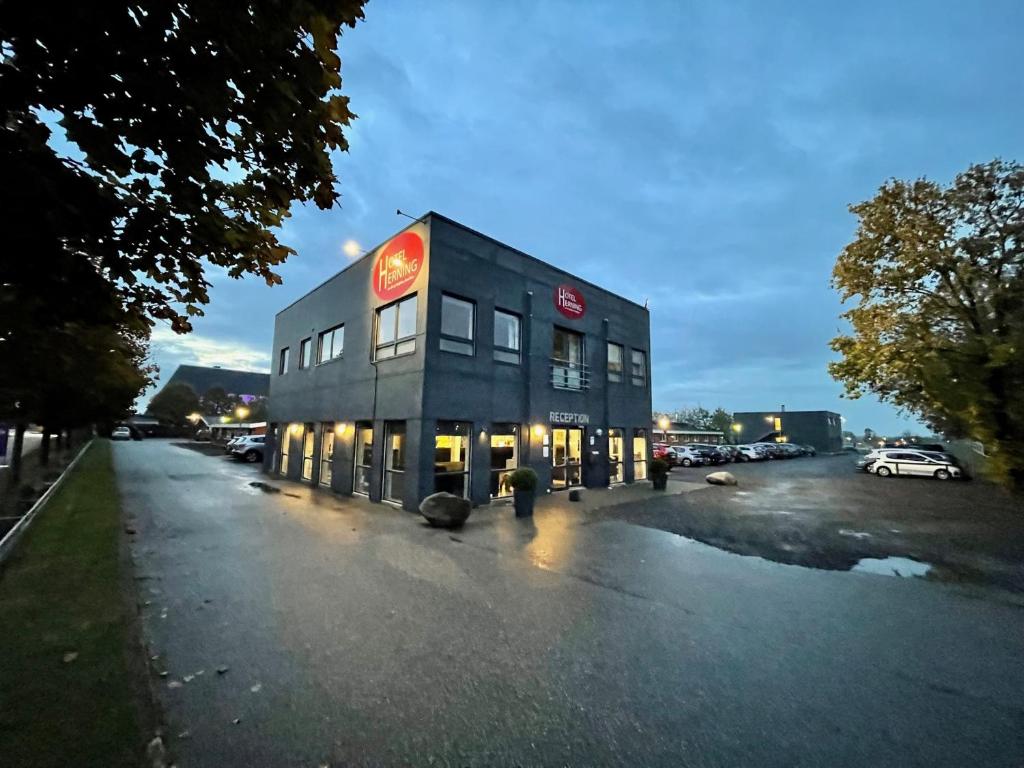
(340, 428)
(539, 430)
(295, 428)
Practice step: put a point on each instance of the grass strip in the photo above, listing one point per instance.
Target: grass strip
(72, 688)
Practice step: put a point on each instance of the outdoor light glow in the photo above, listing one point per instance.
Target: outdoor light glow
(241, 412)
(538, 430)
(737, 427)
(352, 248)
(194, 417)
(225, 419)
(339, 429)
(294, 428)
(664, 423)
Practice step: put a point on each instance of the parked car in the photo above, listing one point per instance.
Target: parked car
(730, 450)
(914, 463)
(249, 448)
(711, 453)
(663, 451)
(121, 433)
(230, 444)
(687, 456)
(864, 462)
(771, 450)
(202, 435)
(749, 453)
(810, 450)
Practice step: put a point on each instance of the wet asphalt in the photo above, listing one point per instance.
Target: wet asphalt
(349, 634)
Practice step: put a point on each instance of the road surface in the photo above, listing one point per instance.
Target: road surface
(352, 635)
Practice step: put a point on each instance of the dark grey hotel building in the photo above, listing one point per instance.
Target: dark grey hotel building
(443, 359)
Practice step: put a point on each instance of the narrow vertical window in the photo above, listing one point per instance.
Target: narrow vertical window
(506, 337)
(304, 347)
(614, 362)
(639, 368)
(282, 362)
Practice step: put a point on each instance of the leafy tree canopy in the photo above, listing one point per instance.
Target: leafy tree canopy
(174, 403)
(937, 323)
(187, 130)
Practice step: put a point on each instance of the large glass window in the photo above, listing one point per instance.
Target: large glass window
(285, 447)
(506, 337)
(394, 461)
(567, 369)
(504, 458)
(363, 457)
(326, 452)
(614, 362)
(640, 454)
(282, 361)
(396, 329)
(457, 317)
(308, 441)
(616, 454)
(639, 369)
(330, 344)
(451, 457)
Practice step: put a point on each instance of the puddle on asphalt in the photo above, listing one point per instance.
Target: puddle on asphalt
(892, 566)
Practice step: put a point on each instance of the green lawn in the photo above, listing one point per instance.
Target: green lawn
(62, 592)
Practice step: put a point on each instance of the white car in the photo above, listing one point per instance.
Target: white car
(913, 463)
(230, 444)
(686, 456)
(750, 453)
(121, 433)
(249, 448)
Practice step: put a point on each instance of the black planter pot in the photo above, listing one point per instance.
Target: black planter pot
(523, 503)
(660, 482)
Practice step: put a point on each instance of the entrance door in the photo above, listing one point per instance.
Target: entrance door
(566, 457)
(363, 456)
(308, 440)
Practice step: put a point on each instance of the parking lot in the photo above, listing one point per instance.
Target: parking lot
(821, 512)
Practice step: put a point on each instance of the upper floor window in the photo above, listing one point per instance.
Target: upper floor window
(457, 325)
(639, 371)
(282, 361)
(614, 362)
(568, 371)
(506, 337)
(396, 329)
(330, 344)
(304, 347)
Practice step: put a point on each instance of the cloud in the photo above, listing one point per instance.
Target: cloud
(168, 347)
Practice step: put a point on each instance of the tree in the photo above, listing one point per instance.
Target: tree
(184, 133)
(698, 417)
(869, 435)
(174, 403)
(721, 420)
(217, 400)
(938, 322)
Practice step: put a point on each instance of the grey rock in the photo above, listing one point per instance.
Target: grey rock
(721, 478)
(445, 510)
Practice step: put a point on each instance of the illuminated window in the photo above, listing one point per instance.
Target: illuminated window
(394, 460)
(457, 318)
(304, 346)
(778, 424)
(451, 457)
(363, 456)
(330, 344)
(614, 362)
(326, 452)
(308, 440)
(282, 362)
(506, 337)
(396, 329)
(640, 454)
(616, 450)
(504, 458)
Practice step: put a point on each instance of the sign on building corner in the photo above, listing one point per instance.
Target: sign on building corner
(570, 302)
(397, 266)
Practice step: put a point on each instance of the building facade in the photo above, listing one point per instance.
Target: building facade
(681, 433)
(822, 429)
(443, 360)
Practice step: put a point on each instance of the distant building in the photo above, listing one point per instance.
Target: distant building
(678, 432)
(247, 385)
(822, 429)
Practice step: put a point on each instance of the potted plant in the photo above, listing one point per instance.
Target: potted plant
(524, 484)
(659, 474)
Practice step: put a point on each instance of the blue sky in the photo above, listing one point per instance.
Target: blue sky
(700, 156)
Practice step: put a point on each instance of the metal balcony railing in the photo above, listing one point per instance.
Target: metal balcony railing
(566, 374)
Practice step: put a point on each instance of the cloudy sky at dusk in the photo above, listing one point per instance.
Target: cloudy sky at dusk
(699, 156)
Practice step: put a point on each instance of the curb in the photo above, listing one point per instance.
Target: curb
(10, 539)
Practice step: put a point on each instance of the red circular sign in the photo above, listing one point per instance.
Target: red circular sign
(570, 302)
(398, 266)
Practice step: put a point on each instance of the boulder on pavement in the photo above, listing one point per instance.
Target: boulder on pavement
(445, 510)
(721, 478)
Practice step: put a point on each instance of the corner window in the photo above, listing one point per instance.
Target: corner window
(451, 457)
(396, 329)
(506, 337)
(282, 362)
(639, 369)
(457, 325)
(614, 362)
(330, 344)
(304, 346)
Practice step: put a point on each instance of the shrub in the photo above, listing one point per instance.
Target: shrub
(659, 467)
(523, 479)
